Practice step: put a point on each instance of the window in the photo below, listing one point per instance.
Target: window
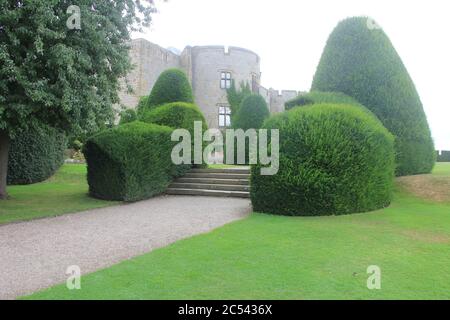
(224, 116)
(225, 80)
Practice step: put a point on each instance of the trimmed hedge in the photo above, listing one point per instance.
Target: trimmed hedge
(172, 86)
(251, 113)
(334, 159)
(130, 162)
(316, 97)
(127, 116)
(142, 106)
(36, 154)
(444, 156)
(362, 63)
(177, 115)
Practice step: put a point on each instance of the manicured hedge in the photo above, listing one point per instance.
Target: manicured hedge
(251, 113)
(171, 86)
(127, 116)
(334, 159)
(177, 115)
(36, 154)
(362, 63)
(315, 97)
(130, 162)
(443, 156)
(142, 106)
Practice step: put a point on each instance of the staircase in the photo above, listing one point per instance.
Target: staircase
(229, 182)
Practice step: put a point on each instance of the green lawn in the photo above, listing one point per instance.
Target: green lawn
(65, 192)
(273, 257)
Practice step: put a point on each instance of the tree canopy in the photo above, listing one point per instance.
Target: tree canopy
(63, 76)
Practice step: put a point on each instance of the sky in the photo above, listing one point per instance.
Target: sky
(289, 36)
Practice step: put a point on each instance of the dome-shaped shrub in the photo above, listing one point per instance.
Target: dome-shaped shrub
(36, 154)
(360, 61)
(251, 113)
(334, 159)
(172, 86)
(177, 115)
(315, 97)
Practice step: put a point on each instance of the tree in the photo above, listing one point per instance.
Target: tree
(235, 97)
(360, 61)
(60, 62)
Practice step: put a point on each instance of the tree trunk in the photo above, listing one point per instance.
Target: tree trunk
(4, 152)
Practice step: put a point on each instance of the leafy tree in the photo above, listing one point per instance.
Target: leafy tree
(55, 73)
(235, 97)
(360, 61)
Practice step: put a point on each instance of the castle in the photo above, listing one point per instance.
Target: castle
(210, 70)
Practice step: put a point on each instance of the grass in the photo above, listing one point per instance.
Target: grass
(274, 257)
(65, 192)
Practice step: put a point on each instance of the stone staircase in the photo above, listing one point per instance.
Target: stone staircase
(229, 182)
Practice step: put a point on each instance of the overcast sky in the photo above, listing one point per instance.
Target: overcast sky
(289, 36)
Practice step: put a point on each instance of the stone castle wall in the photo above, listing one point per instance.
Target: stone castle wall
(207, 65)
(150, 61)
(203, 66)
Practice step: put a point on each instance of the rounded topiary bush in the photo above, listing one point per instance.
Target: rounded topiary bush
(334, 159)
(360, 61)
(172, 86)
(251, 113)
(130, 162)
(177, 115)
(36, 154)
(315, 97)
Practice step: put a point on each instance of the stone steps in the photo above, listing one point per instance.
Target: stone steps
(226, 182)
(204, 186)
(211, 193)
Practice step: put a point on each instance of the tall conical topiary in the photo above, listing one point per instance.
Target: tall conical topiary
(172, 86)
(360, 61)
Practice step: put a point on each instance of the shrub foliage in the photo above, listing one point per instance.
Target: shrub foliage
(443, 156)
(362, 63)
(251, 113)
(334, 159)
(35, 155)
(315, 97)
(127, 116)
(130, 162)
(171, 86)
(177, 115)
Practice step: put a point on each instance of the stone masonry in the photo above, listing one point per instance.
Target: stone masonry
(204, 66)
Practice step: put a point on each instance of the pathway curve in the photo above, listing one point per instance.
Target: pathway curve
(35, 254)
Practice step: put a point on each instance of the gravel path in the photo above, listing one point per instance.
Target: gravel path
(35, 254)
